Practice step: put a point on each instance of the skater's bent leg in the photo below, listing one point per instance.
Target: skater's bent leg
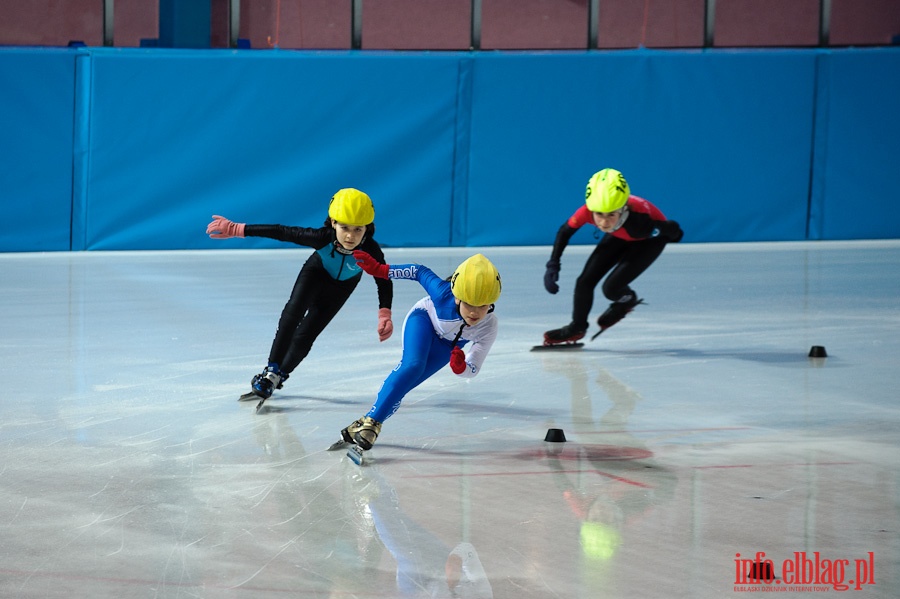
(303, 295)
(424, 353)
(601, 260)
(637, 258)
(311, 327)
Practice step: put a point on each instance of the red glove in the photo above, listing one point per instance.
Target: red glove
(457, 361)
(222, 228)
(385, 326)
(370, 264)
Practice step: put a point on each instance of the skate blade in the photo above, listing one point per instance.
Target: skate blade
(356, 455)
(558, 346)
(603, 328)
(339, 444)
(248, 396)
(259, 406)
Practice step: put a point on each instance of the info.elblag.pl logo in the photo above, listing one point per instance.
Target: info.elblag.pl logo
(802, 571)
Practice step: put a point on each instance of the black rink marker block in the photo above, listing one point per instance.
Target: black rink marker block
(817, 351)
(555, 435)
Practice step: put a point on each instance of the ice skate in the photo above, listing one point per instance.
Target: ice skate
(357, 454)
(339, 444)
(347, 435)
(346, 439)
(358, 437)
(264, 383)
(565, 337)
(248, 396)
(616, 312)
(362, 432)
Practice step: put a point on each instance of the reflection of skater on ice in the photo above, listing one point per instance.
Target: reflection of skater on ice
(631, 482)
(340, 554)
(426, 566)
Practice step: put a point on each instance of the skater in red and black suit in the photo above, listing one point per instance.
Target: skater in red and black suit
(635, 232)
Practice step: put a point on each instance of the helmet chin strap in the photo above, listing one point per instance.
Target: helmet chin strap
(336, 246)
(461, 327)
(622, 218)
(465, 324)
(340, 248)
(460, 331)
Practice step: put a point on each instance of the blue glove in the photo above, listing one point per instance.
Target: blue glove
(551, 276)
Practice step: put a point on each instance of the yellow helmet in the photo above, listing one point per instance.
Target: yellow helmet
(607, 191)
(351, 207)
(476, 281)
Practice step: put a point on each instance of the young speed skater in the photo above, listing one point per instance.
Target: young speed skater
(457, 311)
(635, 232)
(324, 284)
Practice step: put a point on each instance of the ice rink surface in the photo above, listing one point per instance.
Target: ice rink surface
(697, 429)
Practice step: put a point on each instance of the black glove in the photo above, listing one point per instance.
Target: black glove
(671, 231)
(551, 276)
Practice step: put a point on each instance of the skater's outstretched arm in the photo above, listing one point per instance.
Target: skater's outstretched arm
(417, 272)
(222, 228)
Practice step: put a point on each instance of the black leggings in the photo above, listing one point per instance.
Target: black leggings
(315, 300)
(626, 259)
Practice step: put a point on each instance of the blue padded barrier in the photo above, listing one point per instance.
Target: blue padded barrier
(857, 146)
(36, 121)
(718, 140)
(267, 138)
(135, 148)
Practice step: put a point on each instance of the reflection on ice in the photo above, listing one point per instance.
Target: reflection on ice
(697, 429)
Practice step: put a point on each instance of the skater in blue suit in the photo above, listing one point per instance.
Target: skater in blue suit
(456, 313)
